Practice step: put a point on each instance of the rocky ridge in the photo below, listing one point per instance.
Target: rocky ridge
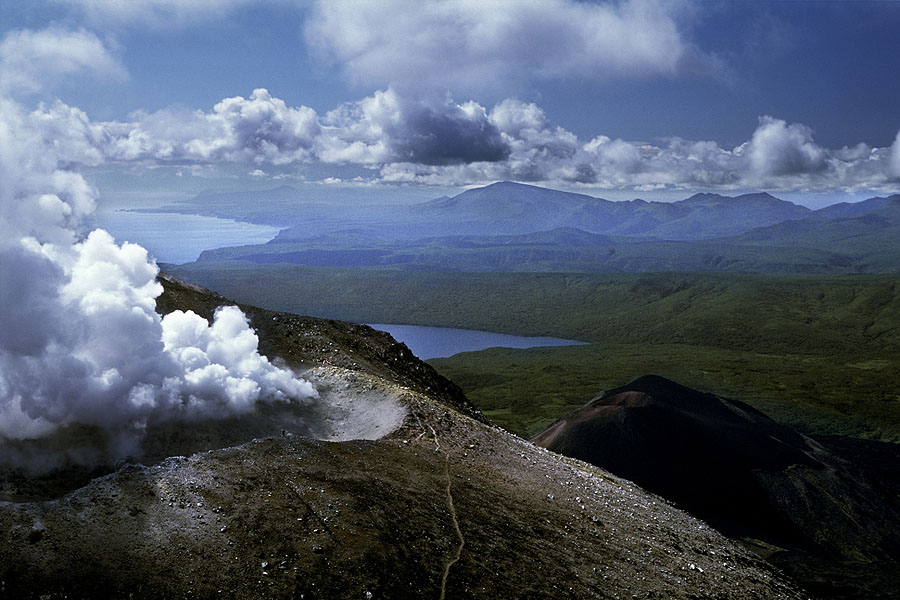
(435, 503)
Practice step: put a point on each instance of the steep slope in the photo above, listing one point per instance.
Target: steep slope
(437, 505)
(797, 501)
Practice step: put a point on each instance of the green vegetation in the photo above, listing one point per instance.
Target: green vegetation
(552, 251)
(524, 391)
(816, 352)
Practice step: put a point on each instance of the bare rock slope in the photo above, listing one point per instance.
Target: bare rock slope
(797, 501)
(430, 500)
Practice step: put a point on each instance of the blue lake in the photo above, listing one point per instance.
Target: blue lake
(440, 342)
(177, 238)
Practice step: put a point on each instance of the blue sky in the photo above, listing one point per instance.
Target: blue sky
(620, 99)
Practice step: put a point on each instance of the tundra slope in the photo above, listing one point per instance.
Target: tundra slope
(440, 504)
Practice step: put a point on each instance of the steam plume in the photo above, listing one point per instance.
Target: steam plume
(82, 350)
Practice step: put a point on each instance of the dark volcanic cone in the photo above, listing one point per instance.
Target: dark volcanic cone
(745, 474)
(696, 449)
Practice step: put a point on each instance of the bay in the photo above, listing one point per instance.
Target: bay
(441, 342)
(179, 238)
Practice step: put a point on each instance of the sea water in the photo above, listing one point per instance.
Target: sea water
(178, 238)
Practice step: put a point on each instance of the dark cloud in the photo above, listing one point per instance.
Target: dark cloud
(387, 127)
(447, 137)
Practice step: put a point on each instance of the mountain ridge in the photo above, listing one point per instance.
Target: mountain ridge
(538, 208)
(513, 227)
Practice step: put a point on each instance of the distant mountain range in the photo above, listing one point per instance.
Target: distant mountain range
(508, 207)
(514, 227)
(869, 231)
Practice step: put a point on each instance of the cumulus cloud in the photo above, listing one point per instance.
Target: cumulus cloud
(383, 128)
(778, 155)
(82, 346)
(434, 140)
(777, 148)
(543, 153)
(894, 159)
(386, 127)
(255, 129)
(470, 44)
(32, 61)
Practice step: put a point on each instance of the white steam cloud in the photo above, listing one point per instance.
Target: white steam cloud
(82, 346)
